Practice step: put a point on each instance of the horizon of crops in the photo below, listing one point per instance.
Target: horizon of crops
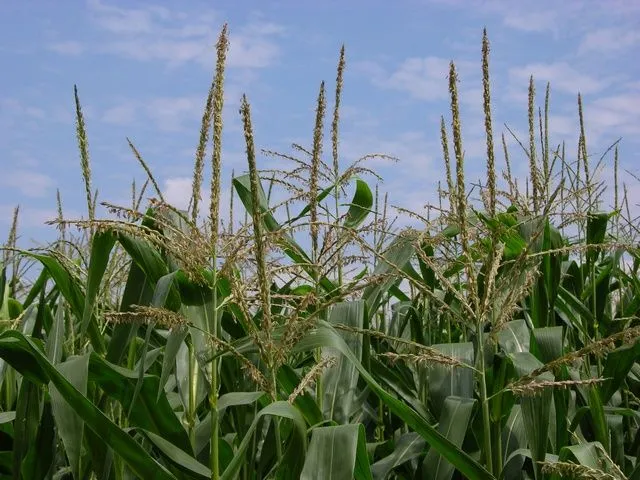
(312, 338)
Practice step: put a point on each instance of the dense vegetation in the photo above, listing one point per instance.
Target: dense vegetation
(314, 339)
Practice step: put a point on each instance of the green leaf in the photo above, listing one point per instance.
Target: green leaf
(409, 446)
(26, 423)
(278, 409)
(147, 412)
(549, 343)
(175, 339)
(337, 453)
(101, 246)
(446, 381)
(514, 337)
(38, 461)
(397, 256)
(54, 344)
(536, 410)
(294, 251)
(137, 291)
(616, 368)
(341, 380)
(596, 231)
(228, 400)
(26, 357)
(180, 458)
(288, 380)
(454, 422)
(73, 294)
(598, 419)
(70, 425)
(360, 205)
(514, 438)
(325, 335)
(160, 295)
(590, 455)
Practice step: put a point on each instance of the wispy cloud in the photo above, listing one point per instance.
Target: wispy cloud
(168, 114)
(28, 183)
(562, 76)
(124, 114)
(157, 33)
(177, 192)
(528, 21)
(16, 107)
(608, 40)
(68, 47)
(423, 78)
(29, 217)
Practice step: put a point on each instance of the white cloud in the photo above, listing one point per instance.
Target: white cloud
(607, 40)
(124, 114)
(615, 114)
(423, 78)
(562, 76)
(28, 183)
(177, 191)
(155, 33)
(28, 217)
(16, 107)
(169, 114)
(529, 21)
(68, 47)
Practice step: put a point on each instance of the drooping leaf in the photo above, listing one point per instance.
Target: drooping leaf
(340, 381)
(325, 335)
(454, 423)
(409, 446)
(337, 452)
(446, 380)
(536, 410)
(69, 423)
(26, 357)
(278, 409)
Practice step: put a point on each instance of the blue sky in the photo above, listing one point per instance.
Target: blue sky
(143, 70)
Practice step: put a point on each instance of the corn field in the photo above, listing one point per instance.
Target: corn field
(311, 338)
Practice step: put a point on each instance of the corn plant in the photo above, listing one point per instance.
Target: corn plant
(316, 340)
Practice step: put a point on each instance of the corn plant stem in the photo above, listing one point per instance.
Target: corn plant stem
(496, 427)
(276, 424)
(484, 400)
(193, 389)
(213, 393)
(497, 453)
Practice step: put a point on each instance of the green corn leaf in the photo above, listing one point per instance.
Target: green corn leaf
(288, 244)
(409, 446)
(26, 357)
(617, 366)
(73, 294)
(341, 380)
(70, 425)
(337, 453)
(454, 423)
(360, 205)
(228, 400)
(101, 245)
(445, 380)
(325, 335)
(277, 409)
(514, 337)
(536, 410)
(178, 457)
(147, 412)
